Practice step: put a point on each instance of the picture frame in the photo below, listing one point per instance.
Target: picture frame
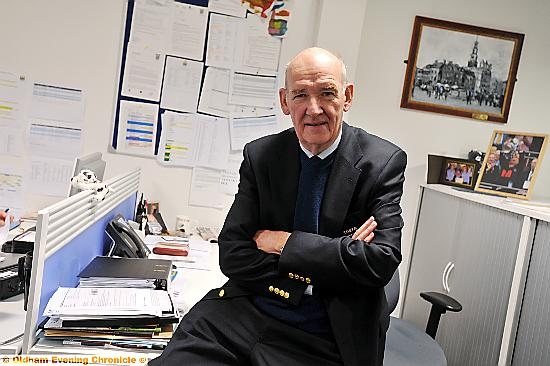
(459, 173)
(512, 163)
(461, 69)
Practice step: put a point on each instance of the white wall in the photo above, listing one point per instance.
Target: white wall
(387, 27)
(77, 43)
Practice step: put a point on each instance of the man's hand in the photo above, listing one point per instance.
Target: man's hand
(366, 231)
(3, 218)
(271, 242)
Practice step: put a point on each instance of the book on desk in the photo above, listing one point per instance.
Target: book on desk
(126, 272)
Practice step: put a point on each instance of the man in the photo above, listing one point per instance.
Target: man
(306, 270)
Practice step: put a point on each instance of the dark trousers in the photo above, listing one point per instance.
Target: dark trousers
(231, 331)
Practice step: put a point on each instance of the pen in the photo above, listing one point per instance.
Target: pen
(7, 209)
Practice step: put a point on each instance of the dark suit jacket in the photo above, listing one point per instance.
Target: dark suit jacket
(366, 179)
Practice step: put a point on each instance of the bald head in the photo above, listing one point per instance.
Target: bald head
(315, 55)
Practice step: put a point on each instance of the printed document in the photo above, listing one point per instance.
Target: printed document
(227, 7)
(143, 72)
(151, 23)
(137, 128)
(188, 30)
(253, 90)
(214, 97)
(244, 130)
(205, 188)
(179, 139)
(181, 86)
(223, 41)
(13, 104)
(107, 301)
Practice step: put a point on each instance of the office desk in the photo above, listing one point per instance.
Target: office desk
(188, 287)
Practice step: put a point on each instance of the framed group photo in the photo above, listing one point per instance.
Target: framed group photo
(459, 173)
(511, 164)
(461, 69)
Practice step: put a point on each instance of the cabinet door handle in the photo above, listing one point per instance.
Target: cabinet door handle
(451, 267)
(444, 277)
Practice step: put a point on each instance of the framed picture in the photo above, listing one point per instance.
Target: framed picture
(511, 164)
(458, 172)
(462, 70)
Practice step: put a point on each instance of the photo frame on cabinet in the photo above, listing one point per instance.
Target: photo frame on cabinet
(461, 69)
(511, 164)
(459, 173)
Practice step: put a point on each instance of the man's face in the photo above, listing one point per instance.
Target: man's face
(316, 99)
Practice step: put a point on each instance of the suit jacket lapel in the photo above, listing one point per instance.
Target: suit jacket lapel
(284, 175)
(341, 184)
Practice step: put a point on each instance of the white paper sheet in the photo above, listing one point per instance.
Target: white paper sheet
(260, 51)
(181, 86)
(53, 151)
(242, 44)
(50, 176)
(214, 97)
(137, 128)
(143, 72)
(228, 7)
(12, 178)
(188, 31)
(229, 180)
(205, 188)
(107, 301)
(55, 141)
(56, 105)
(223, 40)
(213, 150)
(13, 104)
(244, 130)
(151, 23)
(178, 144)
(253, 90)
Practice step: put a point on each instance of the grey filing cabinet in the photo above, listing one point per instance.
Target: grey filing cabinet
(532, 345)
(475, 248)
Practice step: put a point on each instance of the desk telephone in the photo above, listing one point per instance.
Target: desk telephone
(126, 242)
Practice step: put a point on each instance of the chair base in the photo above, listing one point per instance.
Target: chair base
(407, 345)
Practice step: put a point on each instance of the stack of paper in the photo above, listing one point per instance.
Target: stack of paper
(110, 317)
(107, 302)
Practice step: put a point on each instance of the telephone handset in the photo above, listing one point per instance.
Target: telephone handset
(126, 242)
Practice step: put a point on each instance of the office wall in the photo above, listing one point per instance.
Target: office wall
(385, 41)
(76, 43)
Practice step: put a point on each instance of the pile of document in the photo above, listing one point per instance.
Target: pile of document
(113, 318)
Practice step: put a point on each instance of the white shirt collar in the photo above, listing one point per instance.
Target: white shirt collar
(323, 154)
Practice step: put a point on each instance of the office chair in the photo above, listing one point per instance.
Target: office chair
(406, 345)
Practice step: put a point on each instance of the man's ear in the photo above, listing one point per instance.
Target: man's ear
(348, 94)
(282, 99)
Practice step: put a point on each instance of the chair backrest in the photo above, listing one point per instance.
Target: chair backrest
(392, 291)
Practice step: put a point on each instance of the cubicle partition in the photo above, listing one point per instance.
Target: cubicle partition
(69, 234)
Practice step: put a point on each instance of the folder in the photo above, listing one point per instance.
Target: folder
(126, 272)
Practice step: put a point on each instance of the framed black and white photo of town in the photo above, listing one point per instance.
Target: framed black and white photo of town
(462, 70)
(511, 164)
